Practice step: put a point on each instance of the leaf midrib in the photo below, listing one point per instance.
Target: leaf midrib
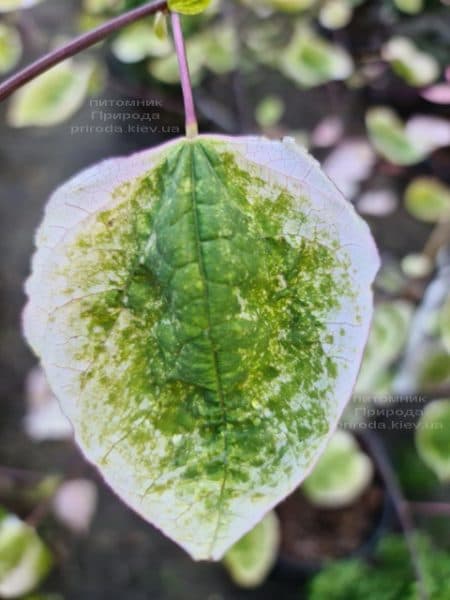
(219, 386)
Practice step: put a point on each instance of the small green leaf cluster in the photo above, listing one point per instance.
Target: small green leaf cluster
(390, 577)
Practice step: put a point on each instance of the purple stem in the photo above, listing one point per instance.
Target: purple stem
(402, 508)
(431, 509)
(189, 108)
(77, 45)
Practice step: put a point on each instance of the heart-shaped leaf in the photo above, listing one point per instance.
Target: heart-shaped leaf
(201, 310)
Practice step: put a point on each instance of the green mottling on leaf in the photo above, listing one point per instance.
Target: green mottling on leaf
(200, 310)
(205, 284)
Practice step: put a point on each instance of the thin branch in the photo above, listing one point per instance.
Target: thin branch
(431, 509)
(75, 46)
(19, 473)
(189, 108)
(402, 508)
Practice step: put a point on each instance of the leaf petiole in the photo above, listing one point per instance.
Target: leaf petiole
(186, 86)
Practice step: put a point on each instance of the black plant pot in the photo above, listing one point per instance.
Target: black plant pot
(290, 566)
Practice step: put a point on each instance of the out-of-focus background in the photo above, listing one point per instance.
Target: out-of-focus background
(365, 85)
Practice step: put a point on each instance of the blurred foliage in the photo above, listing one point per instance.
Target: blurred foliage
(388, 336)
(427, 199)
(341, 475)
(391, 576)
(390, 138)
(10, 48)
(433, 439)
(251, 559)
(269, 111)
(24, 558)
(52, 97)
(188, 7)
(13, 5)
(417, 480)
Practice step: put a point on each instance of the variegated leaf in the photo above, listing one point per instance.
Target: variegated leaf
(201, 310)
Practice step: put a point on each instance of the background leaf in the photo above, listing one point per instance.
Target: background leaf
(251, 559)
(52, 97)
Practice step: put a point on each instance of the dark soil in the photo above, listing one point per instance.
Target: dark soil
(311, 535)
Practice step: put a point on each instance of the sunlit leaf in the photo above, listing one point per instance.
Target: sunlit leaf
(51, 98)
(432, 439)
(411, 7)
(341, 475)
(24, 558)
(269, 111)
(10, 48)
(251, 559)
(139, 41)
(188, 7)
(388, 136)
(311, 60)
(201, 310)
(428, 199)
(335, 14)
(10, 5)
(408, 62)
(417, 265)
(387, 338)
